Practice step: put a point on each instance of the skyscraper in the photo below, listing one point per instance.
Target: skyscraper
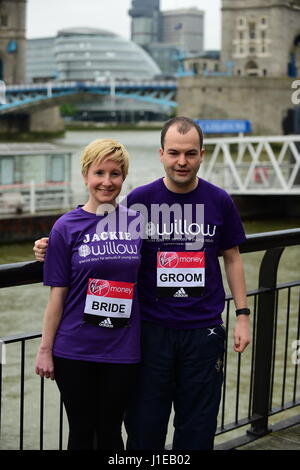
(167, 36)
(145, 24)
(183, 28)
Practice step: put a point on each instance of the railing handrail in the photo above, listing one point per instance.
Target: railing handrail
(265, 304)
(31, 272)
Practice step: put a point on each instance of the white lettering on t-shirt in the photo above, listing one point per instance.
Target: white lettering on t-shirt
(106, 236)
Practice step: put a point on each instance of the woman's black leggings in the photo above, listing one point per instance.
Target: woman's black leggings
(95, 396)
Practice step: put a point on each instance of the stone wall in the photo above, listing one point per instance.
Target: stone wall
(13, 63)
(264, 101)
(281, 26)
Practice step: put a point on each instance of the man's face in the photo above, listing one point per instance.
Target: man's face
(181, 157)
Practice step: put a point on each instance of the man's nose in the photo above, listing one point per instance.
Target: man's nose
(182, 159)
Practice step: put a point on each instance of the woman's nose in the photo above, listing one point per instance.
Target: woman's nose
(106, 180)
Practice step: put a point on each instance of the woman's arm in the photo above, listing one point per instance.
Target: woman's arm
(52, 317)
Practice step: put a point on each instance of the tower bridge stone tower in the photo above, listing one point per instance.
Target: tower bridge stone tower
(12, 41)
(261, 37)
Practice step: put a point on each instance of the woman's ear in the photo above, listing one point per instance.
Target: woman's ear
(84, 177)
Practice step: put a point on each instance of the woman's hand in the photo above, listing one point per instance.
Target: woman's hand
(44, 364)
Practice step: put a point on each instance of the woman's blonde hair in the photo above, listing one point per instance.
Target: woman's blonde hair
(99, 149)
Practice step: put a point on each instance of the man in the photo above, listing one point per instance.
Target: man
(190, 221)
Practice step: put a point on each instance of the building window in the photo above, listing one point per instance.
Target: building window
(264, 21)
(56, 169)
(241, 35)
(241, 21)
(7, 170)
(252, 34)
(3, 20)
(252, 50)
(265, 72)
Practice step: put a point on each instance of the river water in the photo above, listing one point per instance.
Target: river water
(22, 307)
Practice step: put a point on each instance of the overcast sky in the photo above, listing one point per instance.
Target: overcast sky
(46, 17)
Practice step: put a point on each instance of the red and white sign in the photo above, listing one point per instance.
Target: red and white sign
(109, 298)
(181, 269)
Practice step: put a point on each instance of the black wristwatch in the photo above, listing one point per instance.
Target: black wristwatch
(242, 311)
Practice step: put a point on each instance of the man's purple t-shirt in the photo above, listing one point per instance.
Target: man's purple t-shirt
(97, 258)
(180, 281)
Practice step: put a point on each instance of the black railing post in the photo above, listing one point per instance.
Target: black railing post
(264, 341)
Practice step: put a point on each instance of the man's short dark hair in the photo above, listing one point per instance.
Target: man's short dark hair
(184, 124)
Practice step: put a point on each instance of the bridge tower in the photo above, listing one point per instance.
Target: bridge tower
(261, 37)
(12, 41)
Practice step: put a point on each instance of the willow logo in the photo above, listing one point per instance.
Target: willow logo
(84, 251)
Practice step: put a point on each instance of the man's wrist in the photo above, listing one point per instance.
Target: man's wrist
(242, 311)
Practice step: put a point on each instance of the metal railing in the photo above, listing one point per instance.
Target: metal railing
(32, 197)
(252, 391)
(254, 165)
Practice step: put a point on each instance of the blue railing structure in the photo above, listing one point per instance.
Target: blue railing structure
(261, 382)
(22, 97)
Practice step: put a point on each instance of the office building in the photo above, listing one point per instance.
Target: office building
(145, 24)
(183, 28)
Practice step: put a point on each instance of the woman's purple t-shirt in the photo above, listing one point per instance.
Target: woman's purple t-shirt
(97, 258)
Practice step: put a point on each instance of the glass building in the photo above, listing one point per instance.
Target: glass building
(40, 60)
(88, 54)
(145, 24)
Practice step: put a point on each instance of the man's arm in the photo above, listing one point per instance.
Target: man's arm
(39, 248)
(236, 280)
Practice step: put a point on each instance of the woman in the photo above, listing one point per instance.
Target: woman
(90, 342)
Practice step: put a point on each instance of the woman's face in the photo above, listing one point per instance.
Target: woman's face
(104, 182)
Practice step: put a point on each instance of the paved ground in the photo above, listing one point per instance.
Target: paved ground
(286, 439)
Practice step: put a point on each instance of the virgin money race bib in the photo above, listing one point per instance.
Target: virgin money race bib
(180, 274)
(108, 303)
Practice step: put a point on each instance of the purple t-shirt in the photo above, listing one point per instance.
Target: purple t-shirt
(180, 281)
(97, 258)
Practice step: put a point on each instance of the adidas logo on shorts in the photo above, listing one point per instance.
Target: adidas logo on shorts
(107, 323)
(180, 293)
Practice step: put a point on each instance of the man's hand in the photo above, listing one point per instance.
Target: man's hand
(241, 333)
(40, 247)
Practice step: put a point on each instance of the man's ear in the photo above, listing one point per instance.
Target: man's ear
(202, 153)
(161, 152)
